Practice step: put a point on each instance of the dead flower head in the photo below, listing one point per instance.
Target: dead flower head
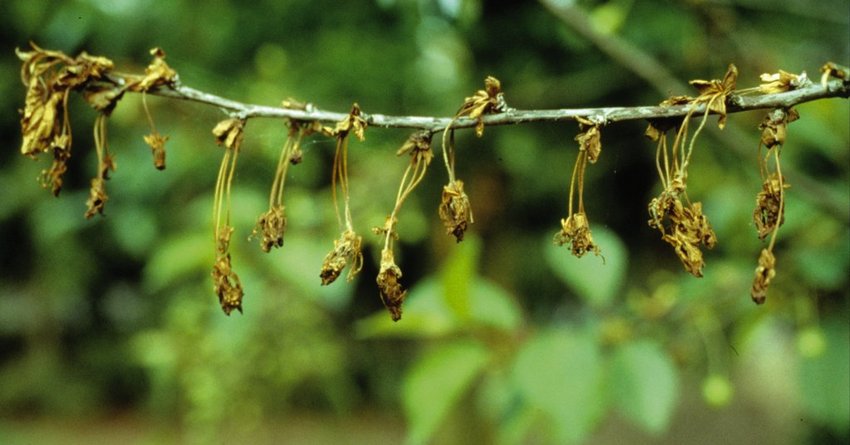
(781, 81)
(418, 145)
(832, 69)
(487, 101)
(226, 283)
(767, 214)
(589, 139)
(455, 211)
(575, 231)
(765, 271)
(392, 294)
(229, 132)
(272, 225)
(353, 122)
(684, 228)
(715, 92)
(157, 142)
(346, 252)
(774, 126)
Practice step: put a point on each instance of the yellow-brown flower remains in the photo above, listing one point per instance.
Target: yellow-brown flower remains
(766, 215)
(346, 252)
(715, 92)
(834, 70)
(486, 101)
(455, 211)
(226, 282)
(392, 294)
(575, 232)
(765, 271)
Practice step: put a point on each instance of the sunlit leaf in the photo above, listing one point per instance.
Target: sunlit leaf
(560, 373)
(435, 384)
(645, 384)
(457, 274)
(595, 280)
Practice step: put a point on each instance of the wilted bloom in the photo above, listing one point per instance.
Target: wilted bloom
(589, 139)
(575, 231)
(769, 209)
(455, 211)
(392, 294)
(765, 271)
(272, 224)
(346, 252)
(226, 283)
(714, 93)
(486, 101)
(774, 126)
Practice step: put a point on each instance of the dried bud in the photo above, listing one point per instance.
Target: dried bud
(226, 283)
(97, 197)
(486, 101)
(346, 251)
(774, 126)
(765, 271)
(418, 145)
(392, 294)
(353, 122)
(575, 231)
(229, 132)
(272, 224)
(455, 211)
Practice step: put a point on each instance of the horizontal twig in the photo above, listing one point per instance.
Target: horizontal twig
(605, 115)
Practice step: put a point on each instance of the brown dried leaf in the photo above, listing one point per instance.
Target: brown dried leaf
(455, 211)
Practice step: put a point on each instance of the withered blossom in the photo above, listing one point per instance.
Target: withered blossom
(354, 122)
(391, 291)
(226, 282)
(272, 225)
(589, 139)
(715, 92)
(346, 252)
(575, 232)
(769, 204)
(765, 272)
(157, 142)
(455, 211)
(781, 81)
(832, 69)
(774, 126)
(683, 227)
(486, 101)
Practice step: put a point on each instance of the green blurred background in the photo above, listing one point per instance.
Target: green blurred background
(110, 332)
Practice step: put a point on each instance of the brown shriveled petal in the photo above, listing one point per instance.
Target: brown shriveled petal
(768, 204)
(765, 271)
(40, 121)
(97, 197)
(687, 229)
(781, 81)
(832, 69)
(346, 251)
(103, 96)
(158, 73)
(590, 139)
(575, 231)
(272, 225)
(353, 122)
(392, 294)
(714, 92)
(689, 254)
(486, 101)
(229, 132)
(773, 127)
(227, 285)
(157, 142)
(455, 211)
(418, 145)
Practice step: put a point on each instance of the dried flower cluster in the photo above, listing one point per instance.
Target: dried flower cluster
(346, 249)
(682, 223)
(575, 229)
(229, 134)
(769, 213)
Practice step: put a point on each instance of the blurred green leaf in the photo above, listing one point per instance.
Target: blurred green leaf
(177, 258)
(645, 384)
(825, 379)
(435, 384)
(560, 372)
(595, 280)
(457, 273)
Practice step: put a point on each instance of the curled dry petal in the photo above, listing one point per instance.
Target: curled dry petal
(418, 145)
(715, 92)
(684, 228)
(781, 81)
(455, 211)
(353, 122)
(346, 252)
(487, 101)
(392, 294)
(158, 73)
(229, 132)
(765, 271)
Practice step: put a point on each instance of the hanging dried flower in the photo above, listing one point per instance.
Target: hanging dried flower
(575, 232)
(346, 251)
(767, 215)
(392, 294)
(455, 211)
(226, 282)
(765, 271)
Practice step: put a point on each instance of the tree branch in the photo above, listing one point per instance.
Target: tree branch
(808, 93)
